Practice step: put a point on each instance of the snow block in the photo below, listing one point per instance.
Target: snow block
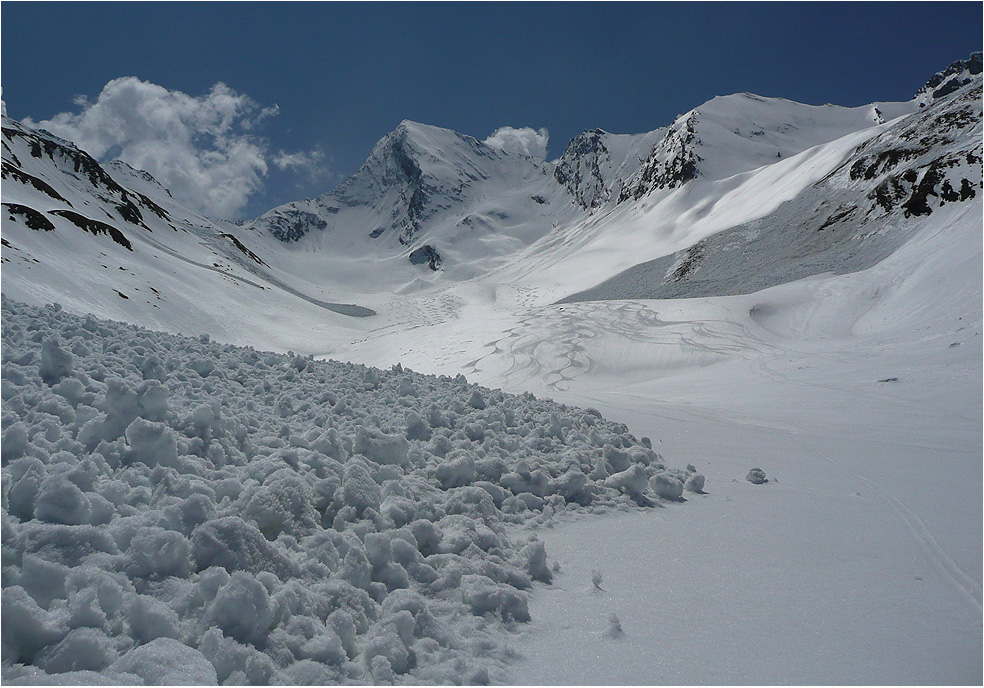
(666, 486)
(756, 476)
(485, 596)
(166, 661)
(380, 447)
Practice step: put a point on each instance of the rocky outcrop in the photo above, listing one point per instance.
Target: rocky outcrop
(426, 254)
(673, 161)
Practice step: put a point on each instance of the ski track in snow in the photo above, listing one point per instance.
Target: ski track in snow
(961, 581)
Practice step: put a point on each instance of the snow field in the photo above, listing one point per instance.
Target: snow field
(181, 511)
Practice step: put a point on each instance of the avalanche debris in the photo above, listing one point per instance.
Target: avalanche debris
(182, 511)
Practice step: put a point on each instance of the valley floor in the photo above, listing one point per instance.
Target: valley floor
(858, 563)
(861, 398)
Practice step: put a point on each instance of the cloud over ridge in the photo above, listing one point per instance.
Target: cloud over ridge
(524, 140)
(203, 149)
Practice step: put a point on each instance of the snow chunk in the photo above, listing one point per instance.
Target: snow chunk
(695, 483)
(241, 608)
(157, 553)
(152, 443)
(26, 626)
(666, 486)
(756, 476)
(380, 447)
(359, 490)
(485, 596)
(166, 661)
(56, 363)
(632, 481)
(83, 649)
(61, 501)
(476, 400)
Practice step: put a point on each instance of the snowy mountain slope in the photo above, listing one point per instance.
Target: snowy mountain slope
(886, 191)
(732, 134)
(453, 203)
(432, 208)
(110, 240)
(858, 393)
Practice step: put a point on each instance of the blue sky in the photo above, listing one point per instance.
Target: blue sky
(343, 75)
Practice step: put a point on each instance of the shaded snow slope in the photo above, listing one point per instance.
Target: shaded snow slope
(258, 518)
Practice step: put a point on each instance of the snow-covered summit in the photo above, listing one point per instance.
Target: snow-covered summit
(729, 135)
(411, 175)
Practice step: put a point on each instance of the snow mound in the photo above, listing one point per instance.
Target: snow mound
(177, 510)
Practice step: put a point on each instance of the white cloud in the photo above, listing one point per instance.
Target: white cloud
(525, 140)
(198, 148)
(310, 160)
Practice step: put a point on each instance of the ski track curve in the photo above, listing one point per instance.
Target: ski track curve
(960, 580)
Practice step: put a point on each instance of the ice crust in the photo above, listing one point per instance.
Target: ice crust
(177, 510)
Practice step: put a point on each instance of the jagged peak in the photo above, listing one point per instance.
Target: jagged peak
(946, 81)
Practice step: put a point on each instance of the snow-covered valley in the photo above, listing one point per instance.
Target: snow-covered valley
(761, 284)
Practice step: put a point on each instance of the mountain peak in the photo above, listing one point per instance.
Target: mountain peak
(947, 81)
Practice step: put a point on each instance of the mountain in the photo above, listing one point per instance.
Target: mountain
(738, 194)
(431, 196)
(732, 134)
(111, 240)
(596, 165)
(859, 213)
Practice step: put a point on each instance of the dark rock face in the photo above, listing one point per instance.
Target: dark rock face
(672, 162)
(94, 227)
(952, 78)
(579, 169)
(32, 218)
(290, 225)
(912, 169)
(426, 254)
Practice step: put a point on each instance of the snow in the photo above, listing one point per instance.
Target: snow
(178, 506)
(284, 537)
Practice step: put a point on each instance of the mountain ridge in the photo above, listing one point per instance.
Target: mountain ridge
(432, 209)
